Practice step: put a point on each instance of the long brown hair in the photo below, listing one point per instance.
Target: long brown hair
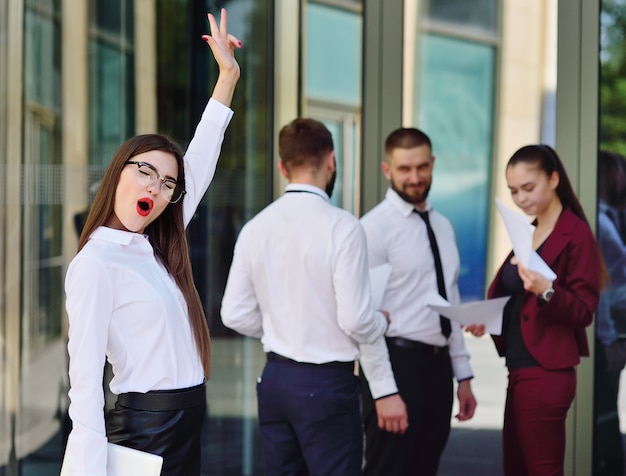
(166, 232)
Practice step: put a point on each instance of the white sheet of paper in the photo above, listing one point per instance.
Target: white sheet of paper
(521, 234)
(123, 461)
(487, 312)
(379, 275)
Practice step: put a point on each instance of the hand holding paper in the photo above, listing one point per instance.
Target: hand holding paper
(487, 312)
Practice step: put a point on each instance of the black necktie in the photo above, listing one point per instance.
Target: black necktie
(444, 321)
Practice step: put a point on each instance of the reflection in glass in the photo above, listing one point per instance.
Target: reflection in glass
(480, 15)
(42, 346)
(111, 78)
(458, 75)
(610, 354)
(241, 187)
(335, 99)
(610, 350)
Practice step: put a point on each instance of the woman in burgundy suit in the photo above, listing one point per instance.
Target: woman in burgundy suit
(543, 332)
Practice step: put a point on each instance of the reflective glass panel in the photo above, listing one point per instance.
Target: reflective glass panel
(40, 421)
(481, 15)
(457, 75)
(610, 348)
(333, 88)
(241, 187)
(333, 59)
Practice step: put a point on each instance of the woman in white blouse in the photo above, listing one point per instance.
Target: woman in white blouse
(131, 297)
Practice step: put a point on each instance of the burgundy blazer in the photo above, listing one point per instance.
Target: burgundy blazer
(554, 331)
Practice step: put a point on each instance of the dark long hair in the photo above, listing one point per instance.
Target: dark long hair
(166, 232)
(546, 159)
(612, 178)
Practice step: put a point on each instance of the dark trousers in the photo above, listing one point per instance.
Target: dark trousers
(608, 450)
(309, 419)
(533, 437)
(424, 382)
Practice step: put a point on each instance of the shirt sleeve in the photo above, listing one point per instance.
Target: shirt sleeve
(376, 248)
(355, 314)
(202, 154)
(240, 308)
(89, 304)
(376, 367)
(374, 360)
(459, 354)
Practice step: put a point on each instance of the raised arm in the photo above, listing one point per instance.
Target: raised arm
(223, 47)
(203, 152)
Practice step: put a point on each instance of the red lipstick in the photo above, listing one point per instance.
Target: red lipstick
(144, 206)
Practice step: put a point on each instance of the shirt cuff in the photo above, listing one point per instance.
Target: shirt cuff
(462, 369)
(217, 113)
(382, 388)
(385, 396)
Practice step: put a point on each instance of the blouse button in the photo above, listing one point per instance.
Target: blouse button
(525, 317)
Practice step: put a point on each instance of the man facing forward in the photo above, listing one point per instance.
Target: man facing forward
(425, 350)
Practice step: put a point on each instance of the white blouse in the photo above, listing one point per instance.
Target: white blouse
(122, 303)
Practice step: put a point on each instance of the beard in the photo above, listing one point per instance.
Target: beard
(416, 198)
(331, 185)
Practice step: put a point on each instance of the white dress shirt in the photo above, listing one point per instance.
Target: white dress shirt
(398, 236)
(122, 302)
(299, 280)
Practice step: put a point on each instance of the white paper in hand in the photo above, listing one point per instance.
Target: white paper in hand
(520, 232)
(487, 312)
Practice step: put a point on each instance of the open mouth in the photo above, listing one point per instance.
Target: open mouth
(144, 206)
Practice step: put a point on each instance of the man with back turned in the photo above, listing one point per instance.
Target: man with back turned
(299, 282)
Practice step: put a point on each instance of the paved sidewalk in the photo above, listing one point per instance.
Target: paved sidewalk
(474, 447)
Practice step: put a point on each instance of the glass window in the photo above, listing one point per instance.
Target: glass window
(479, 15)
(242, 186)
(327, 28)
(610, 347)
(455, 108)
(42, 346)
(111, 80)
(333, 98)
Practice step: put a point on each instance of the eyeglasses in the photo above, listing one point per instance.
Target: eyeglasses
(147, 175)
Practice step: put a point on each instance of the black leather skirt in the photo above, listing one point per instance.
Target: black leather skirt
(162, 422)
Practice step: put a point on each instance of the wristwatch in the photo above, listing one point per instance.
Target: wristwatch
(547, 294)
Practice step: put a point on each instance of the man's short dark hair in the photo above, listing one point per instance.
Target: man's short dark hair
(304, 141)
(406, 138)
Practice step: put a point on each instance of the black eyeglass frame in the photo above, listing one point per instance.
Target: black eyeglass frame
(159, 178)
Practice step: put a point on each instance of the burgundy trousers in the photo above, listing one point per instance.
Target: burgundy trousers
(533, 438)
